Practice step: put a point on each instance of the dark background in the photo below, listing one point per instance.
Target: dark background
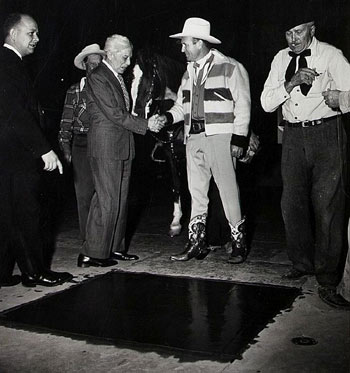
(252, 31)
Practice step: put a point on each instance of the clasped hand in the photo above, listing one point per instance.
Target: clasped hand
(156, 122)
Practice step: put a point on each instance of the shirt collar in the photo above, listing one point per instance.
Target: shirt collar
(82, 83)
(313, 46)
(201, 62)
(111, 68)
(13, 49)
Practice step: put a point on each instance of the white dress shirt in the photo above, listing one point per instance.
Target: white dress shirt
(334, 73)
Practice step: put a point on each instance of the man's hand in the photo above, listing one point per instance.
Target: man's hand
(67, 156)
(52, 162)
(236, 151)
(156, 122)
(305, 75)
(67, 152)
(254, 142)
(331, 98)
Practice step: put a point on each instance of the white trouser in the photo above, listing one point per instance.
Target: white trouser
(211, 156)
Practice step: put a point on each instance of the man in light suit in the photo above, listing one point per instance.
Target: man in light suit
(111, 150)
(23, 148)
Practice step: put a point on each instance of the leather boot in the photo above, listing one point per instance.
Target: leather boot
(196, 247)
(239, 244)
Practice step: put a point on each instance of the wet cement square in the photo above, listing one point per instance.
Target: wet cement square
(190, 318)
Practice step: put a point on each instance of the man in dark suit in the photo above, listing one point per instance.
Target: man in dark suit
(111, 150)
(22, 148)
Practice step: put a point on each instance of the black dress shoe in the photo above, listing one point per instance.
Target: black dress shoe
(48, 278)
(60, 276)
(10, 281)
(294, 274)
(330, 296)
(123, 256)
(29, 281)
(86, 261)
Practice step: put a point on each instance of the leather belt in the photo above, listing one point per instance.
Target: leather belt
(310, 123)
(197, 126)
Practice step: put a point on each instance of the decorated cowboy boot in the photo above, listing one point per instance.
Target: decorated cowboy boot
(196, 247)
(239, 245)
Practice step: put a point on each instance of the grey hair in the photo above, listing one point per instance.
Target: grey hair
(117, 42)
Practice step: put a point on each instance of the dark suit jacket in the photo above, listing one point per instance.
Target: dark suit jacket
(112, 126)
(22, 142)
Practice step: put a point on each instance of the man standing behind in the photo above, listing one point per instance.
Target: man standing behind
(214, 102)
(340, 298)
(22, 145)
(313, 153)
(72, 137)
(111, 150)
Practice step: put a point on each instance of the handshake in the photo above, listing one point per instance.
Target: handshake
(156, 122)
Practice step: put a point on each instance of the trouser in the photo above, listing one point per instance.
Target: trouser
(83, 183)
(209, 156)
(344, 286)
(313, 199)
(20, 239)
(106, 223)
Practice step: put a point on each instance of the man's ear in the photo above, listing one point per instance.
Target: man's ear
(13, 33)
(312, 30)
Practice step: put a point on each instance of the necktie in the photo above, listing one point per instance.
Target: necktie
(198, 74)
(292, 68)
(125, 92)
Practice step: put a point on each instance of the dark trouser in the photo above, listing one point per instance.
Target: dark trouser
(313, 199)
(106, 224)
(20, 239)
(84, 186)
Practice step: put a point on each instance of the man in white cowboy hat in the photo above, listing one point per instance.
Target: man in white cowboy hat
(313, 148)
(214, 102)
(72, 136)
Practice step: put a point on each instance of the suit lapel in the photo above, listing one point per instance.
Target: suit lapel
(113, 80)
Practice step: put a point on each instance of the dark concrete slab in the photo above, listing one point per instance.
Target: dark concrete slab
(187, 317)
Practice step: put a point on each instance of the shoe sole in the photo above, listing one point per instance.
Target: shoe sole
(86, 265)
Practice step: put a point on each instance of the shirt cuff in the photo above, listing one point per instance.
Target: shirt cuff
(238, 140)
(169, 117)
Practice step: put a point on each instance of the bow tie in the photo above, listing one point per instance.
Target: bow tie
(292, 68)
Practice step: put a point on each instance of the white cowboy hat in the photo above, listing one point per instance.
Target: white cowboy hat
(89, 49)
(197, 28)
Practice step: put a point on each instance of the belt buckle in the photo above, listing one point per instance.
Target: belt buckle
(305, 123)
(197, 126)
